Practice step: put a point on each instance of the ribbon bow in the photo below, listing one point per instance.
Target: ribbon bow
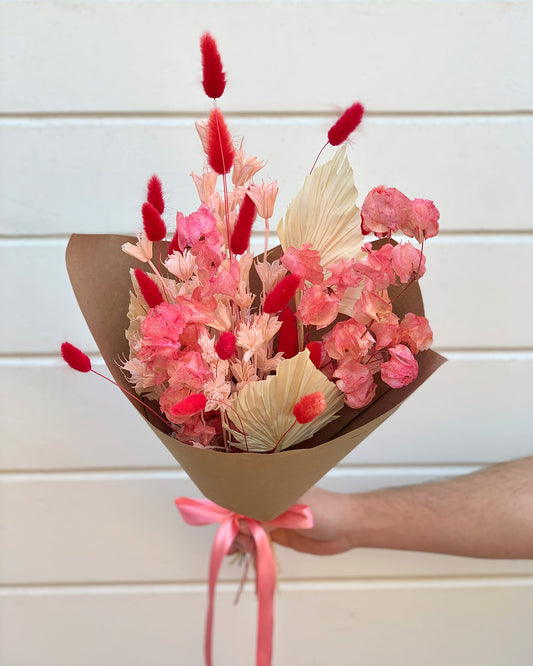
(204, 512)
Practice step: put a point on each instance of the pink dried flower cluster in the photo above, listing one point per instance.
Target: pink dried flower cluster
(198, 335)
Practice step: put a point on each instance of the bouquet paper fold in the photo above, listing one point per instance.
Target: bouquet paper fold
(261, 486)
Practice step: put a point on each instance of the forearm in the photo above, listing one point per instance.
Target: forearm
(485, 514)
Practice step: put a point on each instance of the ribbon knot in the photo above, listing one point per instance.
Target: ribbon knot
(204, 512)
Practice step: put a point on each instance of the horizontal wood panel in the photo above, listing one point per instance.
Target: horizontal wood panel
(487, 624)
(473, 410)
(105, 528)
(467, 299)
(88, 176)
(144, 56)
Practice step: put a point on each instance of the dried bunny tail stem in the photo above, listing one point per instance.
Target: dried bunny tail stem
(154, 227)
(154, 194)
(79, 361)
(346, 124)
(149, 289)
(214, 78)
(240, 238)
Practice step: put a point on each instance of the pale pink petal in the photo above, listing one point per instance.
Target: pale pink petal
(401, 369)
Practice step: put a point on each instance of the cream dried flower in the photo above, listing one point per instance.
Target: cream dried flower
(142, 250)
(254, 334)
(264, 409)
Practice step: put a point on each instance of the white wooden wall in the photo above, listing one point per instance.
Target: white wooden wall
(96, 566)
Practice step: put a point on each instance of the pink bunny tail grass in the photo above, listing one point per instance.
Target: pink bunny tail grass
(225, 345)
(190, 405)
(240, 238)
(346, 124)
(154, 227)
(149, 289)
(288, 333)
(220, 148)
(282, 293)
(315, 353)
(154, 194)
(75, 358)
(214, 78)
(309, 407)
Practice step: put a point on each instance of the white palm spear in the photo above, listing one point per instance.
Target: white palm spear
(264, 409)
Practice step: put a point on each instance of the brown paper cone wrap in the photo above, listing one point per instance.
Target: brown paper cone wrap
(257, 485)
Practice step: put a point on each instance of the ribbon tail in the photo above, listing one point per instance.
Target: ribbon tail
(224, 537)
(266, 583)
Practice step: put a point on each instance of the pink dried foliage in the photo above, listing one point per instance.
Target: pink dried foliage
(225, 347)
(240, 238)
(348, 338)
(281, 295)
(408, 262)
(288, 333)
(385, 210)
(416, 333)
(372, 307)
(214, 78)
(401, 368)
(386, 331)
(424, 220)
(154, 226)
(356, 381)
(149, 289)
(309, 407)
(154, 194)
(346, 124)
(220, 148)
(318, 307)
(305, 262)
(75, 358)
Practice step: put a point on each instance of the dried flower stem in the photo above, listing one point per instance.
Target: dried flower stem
(320, 153)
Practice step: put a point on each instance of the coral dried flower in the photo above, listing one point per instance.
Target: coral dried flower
(214, 78)
(220, 148)
(75, 358)
(240, 238)
(149, 289)
(309, 407)
(282, 293)
(154, 194)
(346, 124)
(154, 227)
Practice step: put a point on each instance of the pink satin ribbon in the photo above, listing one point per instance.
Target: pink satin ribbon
(205, 512)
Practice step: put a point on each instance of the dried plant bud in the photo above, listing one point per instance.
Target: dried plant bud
(225, 345)
(346, 124)
(149, 289)
(214, 78)
(75, 358)
(309, 407)
(155, 194)
(190, 405)
(288, 333)
(282, 293)
(220, 148)
(154, 227)
(315, 353)
(240, 238)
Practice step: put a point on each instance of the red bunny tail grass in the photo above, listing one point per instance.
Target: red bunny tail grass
(346, 124)
(315, 353)
(149, 289)
(75, 358)
(155, 194)
(174, 244)
(288, 333)
(309, 407)
(282, 293)
(240, 238)
(190, 405)
(214, 79)
(154, 226)
(225, 345)
(220, 148)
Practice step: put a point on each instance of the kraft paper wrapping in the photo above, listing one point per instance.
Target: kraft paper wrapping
(257, 485)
